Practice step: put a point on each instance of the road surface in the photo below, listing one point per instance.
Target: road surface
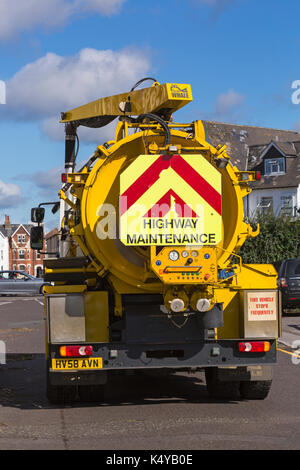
(139, 412)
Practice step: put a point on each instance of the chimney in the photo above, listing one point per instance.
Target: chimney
(7, 222)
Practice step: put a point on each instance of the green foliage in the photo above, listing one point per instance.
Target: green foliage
(279, 239)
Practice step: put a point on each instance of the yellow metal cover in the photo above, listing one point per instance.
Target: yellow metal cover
(171, 96)
(178, 91)
(170, 200)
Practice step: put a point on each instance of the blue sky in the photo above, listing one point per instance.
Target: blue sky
(241, 58)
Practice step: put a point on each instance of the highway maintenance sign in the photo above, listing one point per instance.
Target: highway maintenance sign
(170, 200)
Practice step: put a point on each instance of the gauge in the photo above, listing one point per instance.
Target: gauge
(173, 255)
(185, 254)
(194, 254)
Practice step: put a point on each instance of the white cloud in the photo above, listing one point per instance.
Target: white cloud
(48, 180)
(54, 83)
(228, 102)
(43, 89)
(10, 195)
(46, 183)
(24, 15)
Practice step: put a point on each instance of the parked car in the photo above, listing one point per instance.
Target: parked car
(289, 284)
(18, 282)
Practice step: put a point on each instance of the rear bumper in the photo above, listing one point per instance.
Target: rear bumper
(122, 357)
(291, 300)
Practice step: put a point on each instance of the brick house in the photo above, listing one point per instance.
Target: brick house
(3, 252)
(20, 256)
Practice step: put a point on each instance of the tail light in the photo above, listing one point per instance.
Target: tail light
(258, 175)
(63, 178)
(75, 351)
(255, 346)
(282, 282)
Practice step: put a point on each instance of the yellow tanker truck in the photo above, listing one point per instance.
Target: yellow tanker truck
(148, 275)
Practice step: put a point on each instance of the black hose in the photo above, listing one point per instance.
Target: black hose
(164, 125)
(77, 148)
(141, 81)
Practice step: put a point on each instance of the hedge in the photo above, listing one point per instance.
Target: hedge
(279, 239)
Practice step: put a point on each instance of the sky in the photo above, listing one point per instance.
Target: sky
(241, 58)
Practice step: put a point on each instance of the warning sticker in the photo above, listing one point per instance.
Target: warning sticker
(262, 306)
(170, 200)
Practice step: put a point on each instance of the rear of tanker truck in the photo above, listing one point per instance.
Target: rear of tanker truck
(148, 276)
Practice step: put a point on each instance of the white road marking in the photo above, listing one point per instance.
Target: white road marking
(23, 299)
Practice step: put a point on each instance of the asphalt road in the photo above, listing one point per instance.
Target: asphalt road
(139, 412)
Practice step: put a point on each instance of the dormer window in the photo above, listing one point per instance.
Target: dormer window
(274, 166)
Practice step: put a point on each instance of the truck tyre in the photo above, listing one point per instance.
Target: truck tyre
(60, 394)
(91, 393)
(256, 390)
(218, 389)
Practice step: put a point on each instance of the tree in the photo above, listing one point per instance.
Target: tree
(279, 239)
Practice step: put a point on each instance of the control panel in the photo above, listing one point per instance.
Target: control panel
(181, 265)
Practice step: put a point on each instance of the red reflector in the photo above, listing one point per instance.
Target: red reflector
(254, 346)
(292, 298)
(75, 351)
(63, 178)
(258, 175)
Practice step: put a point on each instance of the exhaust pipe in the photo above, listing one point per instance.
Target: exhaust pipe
(70, 143)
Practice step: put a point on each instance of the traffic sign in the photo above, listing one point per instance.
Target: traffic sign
(170, 200)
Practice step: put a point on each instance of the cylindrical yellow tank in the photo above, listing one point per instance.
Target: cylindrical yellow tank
(130, 265)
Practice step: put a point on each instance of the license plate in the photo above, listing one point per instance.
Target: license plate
(92, 363)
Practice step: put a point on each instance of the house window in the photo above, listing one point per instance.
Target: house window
(274, 166)
(22, 267)
(286, 205)
(266, 205)
(39, 271)
(21, 254)
(19, 238)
